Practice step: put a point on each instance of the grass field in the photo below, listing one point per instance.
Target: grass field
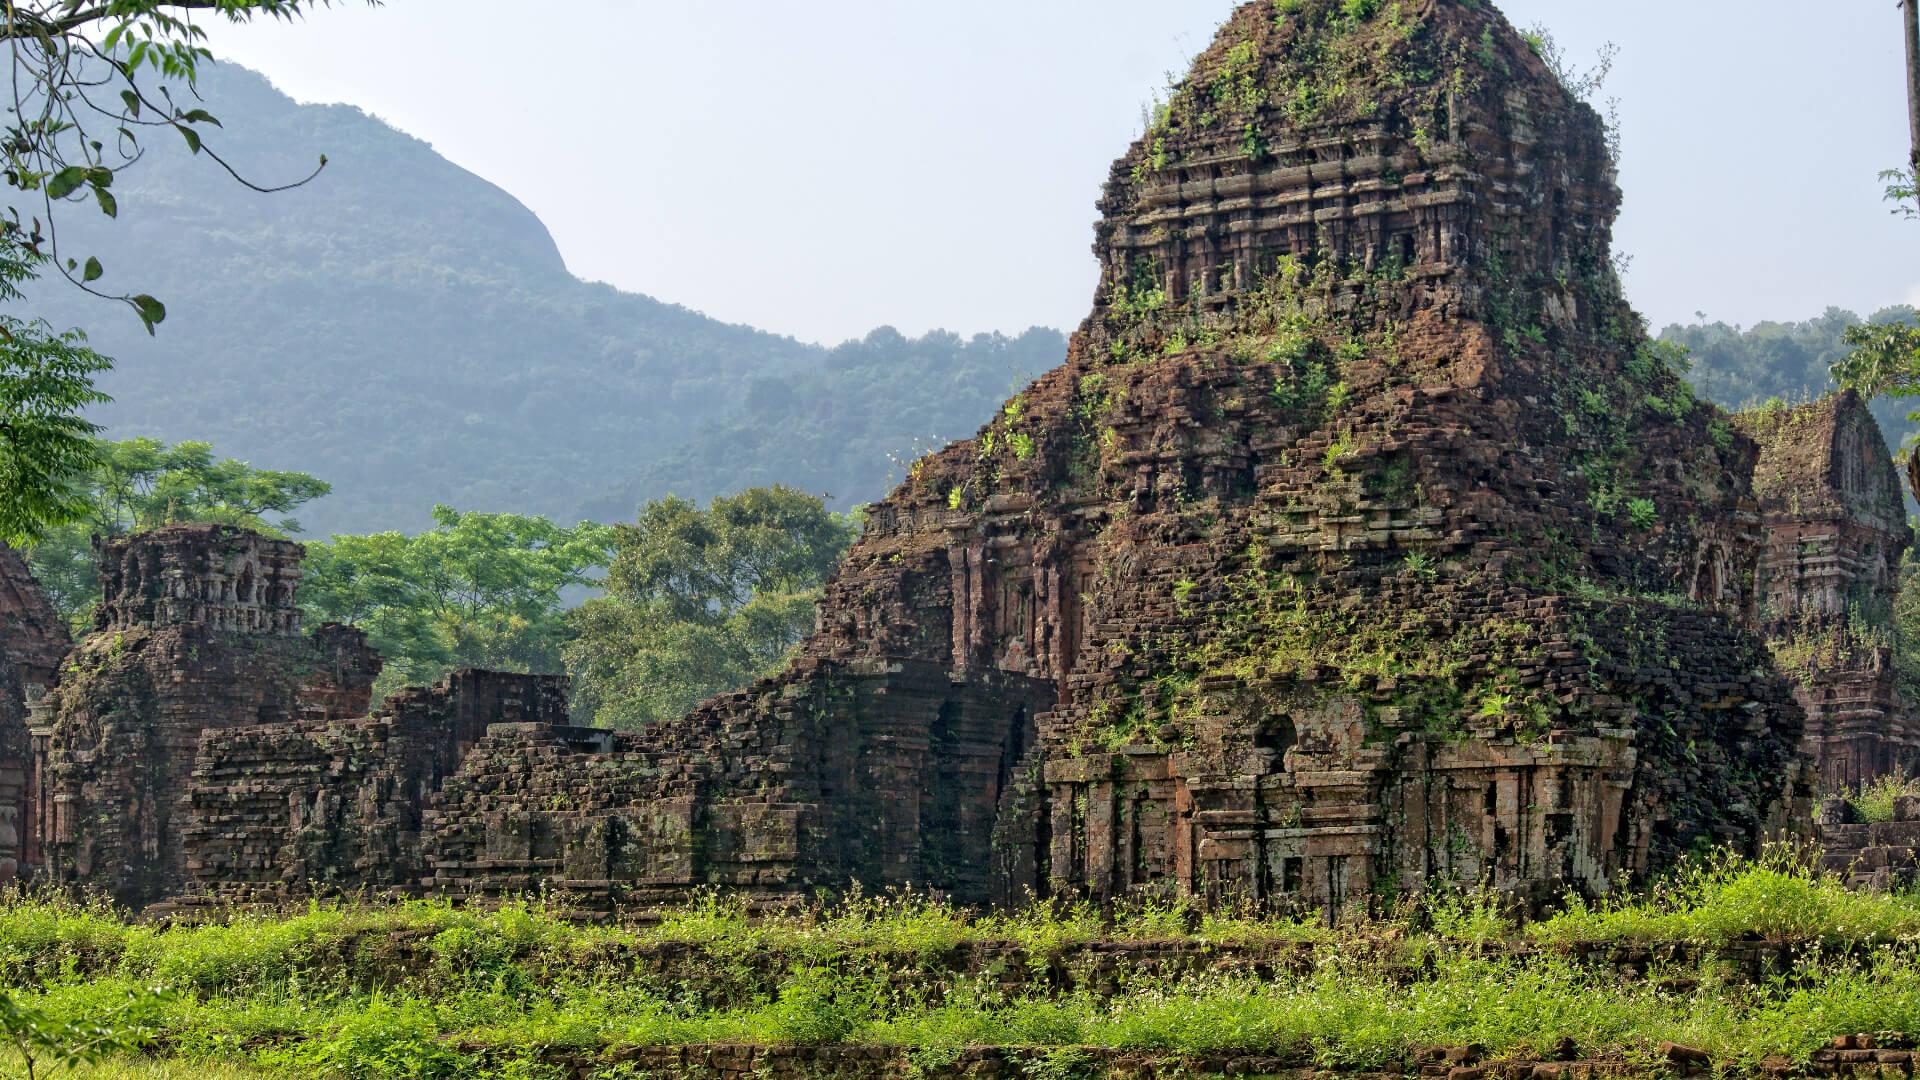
(426, 990)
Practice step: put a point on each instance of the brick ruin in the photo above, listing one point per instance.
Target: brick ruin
(198, 631)
(336, 804)
(1836, 531)
(1362, 542)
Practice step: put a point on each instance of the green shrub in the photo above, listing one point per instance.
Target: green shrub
(383, 1038)
(1722, 900)
(1874, 800)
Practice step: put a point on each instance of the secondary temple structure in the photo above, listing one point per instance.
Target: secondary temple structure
(1836, 531)
(1362, 542)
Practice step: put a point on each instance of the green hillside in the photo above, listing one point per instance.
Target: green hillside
(410, 333)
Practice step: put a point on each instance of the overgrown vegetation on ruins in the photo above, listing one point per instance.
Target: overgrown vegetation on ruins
(1742, 961)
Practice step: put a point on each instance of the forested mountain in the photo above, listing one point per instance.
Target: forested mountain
(846, 427)
(1739, 368)
(410, 333)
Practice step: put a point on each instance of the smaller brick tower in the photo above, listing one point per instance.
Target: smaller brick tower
(1836, 530)
(215, 576)
(198, 630)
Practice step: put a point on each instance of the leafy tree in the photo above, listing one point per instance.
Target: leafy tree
(702, 601)
(140, 484)
(46, 380)
(90, 83)
(477, 590)
(1886, 361)
(47, 1043)
(1743, 367)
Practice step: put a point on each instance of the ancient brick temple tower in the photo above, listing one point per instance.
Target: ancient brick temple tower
(1361, 542)
(197, 631)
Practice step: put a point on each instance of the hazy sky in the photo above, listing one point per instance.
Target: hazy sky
(822, 168)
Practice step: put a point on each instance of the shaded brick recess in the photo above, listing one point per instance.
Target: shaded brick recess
(1836, 530)
(1362, 541)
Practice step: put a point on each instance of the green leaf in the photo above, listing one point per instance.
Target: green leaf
(200, 116)
(152, 312)
(192, 137)
(99, 176)
(133, 102)
(109, 205)
(66, 181)
(94, 269)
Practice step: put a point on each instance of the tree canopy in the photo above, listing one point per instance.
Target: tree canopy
(701, 601)
(138, 484)
(1740, 367)
(476, 590)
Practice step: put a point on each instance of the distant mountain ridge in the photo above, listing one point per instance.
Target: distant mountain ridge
(409, 332)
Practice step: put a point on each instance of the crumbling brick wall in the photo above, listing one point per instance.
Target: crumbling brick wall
(33, 638)
(1836, 530)
(281, 811)
(1882, 855)
(889, 774)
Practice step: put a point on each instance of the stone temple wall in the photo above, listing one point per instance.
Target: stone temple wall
(1836, 531)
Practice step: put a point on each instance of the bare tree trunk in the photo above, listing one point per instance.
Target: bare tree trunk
(1910, 15)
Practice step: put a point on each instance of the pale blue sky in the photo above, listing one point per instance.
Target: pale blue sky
(822, 168)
